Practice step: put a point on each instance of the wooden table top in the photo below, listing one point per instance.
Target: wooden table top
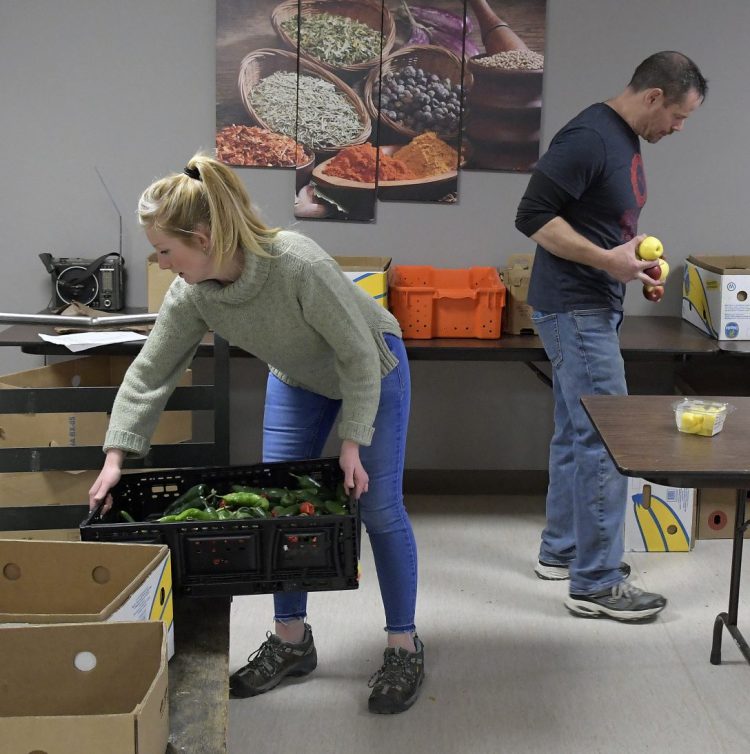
(641, 338)
(641, 436)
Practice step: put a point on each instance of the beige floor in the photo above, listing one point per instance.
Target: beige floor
(508, 669)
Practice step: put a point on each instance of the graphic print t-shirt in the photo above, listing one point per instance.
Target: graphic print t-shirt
(596, 158)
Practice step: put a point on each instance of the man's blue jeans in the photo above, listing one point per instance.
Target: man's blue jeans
(296, 425)
(586, 494)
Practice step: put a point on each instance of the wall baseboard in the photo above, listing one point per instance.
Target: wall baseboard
(475, 481)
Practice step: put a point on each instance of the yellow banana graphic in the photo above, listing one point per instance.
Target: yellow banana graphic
(372, 283)
(695, 294)
(660, 527)
(162, 607)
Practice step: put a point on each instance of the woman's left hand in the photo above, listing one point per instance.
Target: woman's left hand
(355, 476)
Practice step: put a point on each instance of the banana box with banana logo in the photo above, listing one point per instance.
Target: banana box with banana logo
(369, 273)
(83, 582)
(659, 518)
(716, 295)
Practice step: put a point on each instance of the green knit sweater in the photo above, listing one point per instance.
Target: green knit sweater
(295, 310)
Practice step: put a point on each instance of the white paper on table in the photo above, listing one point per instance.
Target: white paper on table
(81, 341)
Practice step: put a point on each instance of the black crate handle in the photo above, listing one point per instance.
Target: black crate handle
(354, 510)
(94, 513)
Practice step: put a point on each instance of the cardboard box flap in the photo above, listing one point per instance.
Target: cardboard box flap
(364, 264)
(96, 580)
(520, 260)
(723, 264)
(152, 722)
(67, 428)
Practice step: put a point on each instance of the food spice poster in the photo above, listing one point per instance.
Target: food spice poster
(369, 100)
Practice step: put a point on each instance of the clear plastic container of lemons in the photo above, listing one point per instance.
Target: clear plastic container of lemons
(699, 417)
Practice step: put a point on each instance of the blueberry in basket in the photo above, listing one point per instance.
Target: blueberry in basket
(420, 100)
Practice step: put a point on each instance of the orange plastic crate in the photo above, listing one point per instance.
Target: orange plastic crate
(432, 303)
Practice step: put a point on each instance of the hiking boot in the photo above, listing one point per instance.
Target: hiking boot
(561, 571)
(271, 663)
(623, 602)
(395, 687)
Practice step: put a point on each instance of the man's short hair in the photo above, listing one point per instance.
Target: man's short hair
(672, 72)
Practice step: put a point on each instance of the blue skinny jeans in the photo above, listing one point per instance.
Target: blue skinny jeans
(586, 494)
(296, 425)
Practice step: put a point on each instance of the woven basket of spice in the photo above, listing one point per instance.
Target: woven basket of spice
(420, 90)
(512, 78)
(343, 36)
(320, 111)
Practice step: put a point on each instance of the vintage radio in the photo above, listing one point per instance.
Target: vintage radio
(98, 283)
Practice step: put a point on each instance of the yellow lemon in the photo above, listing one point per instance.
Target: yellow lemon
(690, 422)
(650, 248)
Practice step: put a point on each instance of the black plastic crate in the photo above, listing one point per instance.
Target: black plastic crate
(247, 556)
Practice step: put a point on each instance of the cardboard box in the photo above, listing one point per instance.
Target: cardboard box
(70, 689)
(157, 283)
(31, 489)
(658, 518)
(69, 429)
(715, 293)
(716, 513)
(516, 275)
(57, 535)
(369, 273)
(85, 582)
(23, 488)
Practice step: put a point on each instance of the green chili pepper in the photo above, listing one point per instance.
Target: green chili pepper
(250, 512)
(306, 495)
(304, 480)
(285, 510)
(243, 488)
(336, 508)
(127, 517)
(197, 514)
(166, 519)
(274, 493)
(290, 498)
(245, 498)
(186, 500)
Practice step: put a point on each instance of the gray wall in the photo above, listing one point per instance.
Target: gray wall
(128, 86)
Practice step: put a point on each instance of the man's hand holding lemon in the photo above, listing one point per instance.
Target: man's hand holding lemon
(650, 249)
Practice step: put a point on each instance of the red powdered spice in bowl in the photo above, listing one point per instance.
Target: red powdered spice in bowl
(352, 171)
(358, 164)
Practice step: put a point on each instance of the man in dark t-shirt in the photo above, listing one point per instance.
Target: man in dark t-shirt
(581, 207)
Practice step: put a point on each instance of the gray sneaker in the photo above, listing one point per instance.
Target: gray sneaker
(395, 687)
(623, 602)
(561, 571)
(273, 661)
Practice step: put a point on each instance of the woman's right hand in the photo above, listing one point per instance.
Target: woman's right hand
(107, 479)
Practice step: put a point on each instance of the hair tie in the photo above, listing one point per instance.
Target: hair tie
(192, 173)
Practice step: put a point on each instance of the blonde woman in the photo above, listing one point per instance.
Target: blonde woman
(332, 352)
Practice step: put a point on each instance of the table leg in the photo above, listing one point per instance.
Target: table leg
(729, 619)
(199, 675)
